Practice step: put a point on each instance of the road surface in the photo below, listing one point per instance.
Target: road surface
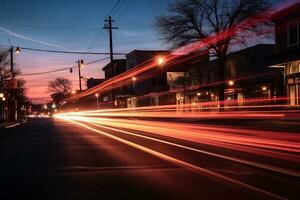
(62, 159)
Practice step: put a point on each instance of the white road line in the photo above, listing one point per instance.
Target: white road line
(182, 163)
(11, 126)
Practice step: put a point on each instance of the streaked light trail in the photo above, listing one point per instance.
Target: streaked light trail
(176, 161)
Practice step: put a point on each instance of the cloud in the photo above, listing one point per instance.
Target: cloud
(28, 38)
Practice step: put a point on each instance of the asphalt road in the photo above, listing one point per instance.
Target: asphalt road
(57, 159)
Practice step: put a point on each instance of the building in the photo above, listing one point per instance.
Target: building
(287, 50)
(115, 97)
(184, 80)
(246, 77)
(118, 67)
(92, 82)
(144, 86)
(137, 57)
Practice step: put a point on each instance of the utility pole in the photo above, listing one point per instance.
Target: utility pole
(13, 103)
(108, 26)
(80, 64)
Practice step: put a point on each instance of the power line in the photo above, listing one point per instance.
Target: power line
(51, 26)
(47, 72)
(114, 7)
(118, 8)
(100, 34)
(63, 69)
(69, 52)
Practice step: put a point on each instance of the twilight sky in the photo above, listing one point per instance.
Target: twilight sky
(72, 25)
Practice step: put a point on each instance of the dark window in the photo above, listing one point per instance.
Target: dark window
(293, 33)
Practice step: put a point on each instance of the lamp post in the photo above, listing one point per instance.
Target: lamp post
(80, 65)
(97, 99)
(13, 115)
(1, 107)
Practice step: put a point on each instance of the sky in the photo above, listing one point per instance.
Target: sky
(72, 25)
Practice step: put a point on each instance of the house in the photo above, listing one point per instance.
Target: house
(92, 82)
(143, 87)
(112, 70)
(287, 50)
(115, 97)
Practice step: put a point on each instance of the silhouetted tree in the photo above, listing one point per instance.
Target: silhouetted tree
(5, 86)
(59, 88)
(194, 20)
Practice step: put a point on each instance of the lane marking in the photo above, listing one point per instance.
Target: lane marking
(14, 125)
(251, 163)
(182, 163)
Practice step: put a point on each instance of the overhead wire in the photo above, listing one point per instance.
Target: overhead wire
(62, 69)
(67, 52)
(101, 34)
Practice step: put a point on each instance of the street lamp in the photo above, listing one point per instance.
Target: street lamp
(3, 98)
(198, 94)
(264, 88)
(1, 95)
(81, 63)
(133, 84)
(97, 97)
(18, 50)
(231, 83)
(73, 91)
(160, 61)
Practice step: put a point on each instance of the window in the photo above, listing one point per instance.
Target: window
(294, 67)
(293, 33)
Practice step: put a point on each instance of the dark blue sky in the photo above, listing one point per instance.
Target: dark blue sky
(72, 25)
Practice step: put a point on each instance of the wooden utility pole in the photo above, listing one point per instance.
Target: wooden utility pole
(108, 26)
(12, 114)
(80, 62)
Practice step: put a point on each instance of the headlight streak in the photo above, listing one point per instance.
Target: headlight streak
(255, 164)
(176, 161)
(264, 143)
(259, 106)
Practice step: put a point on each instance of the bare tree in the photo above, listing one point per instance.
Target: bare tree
(59, 88)
(5, 82)
(194, 20)
(60, 85)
